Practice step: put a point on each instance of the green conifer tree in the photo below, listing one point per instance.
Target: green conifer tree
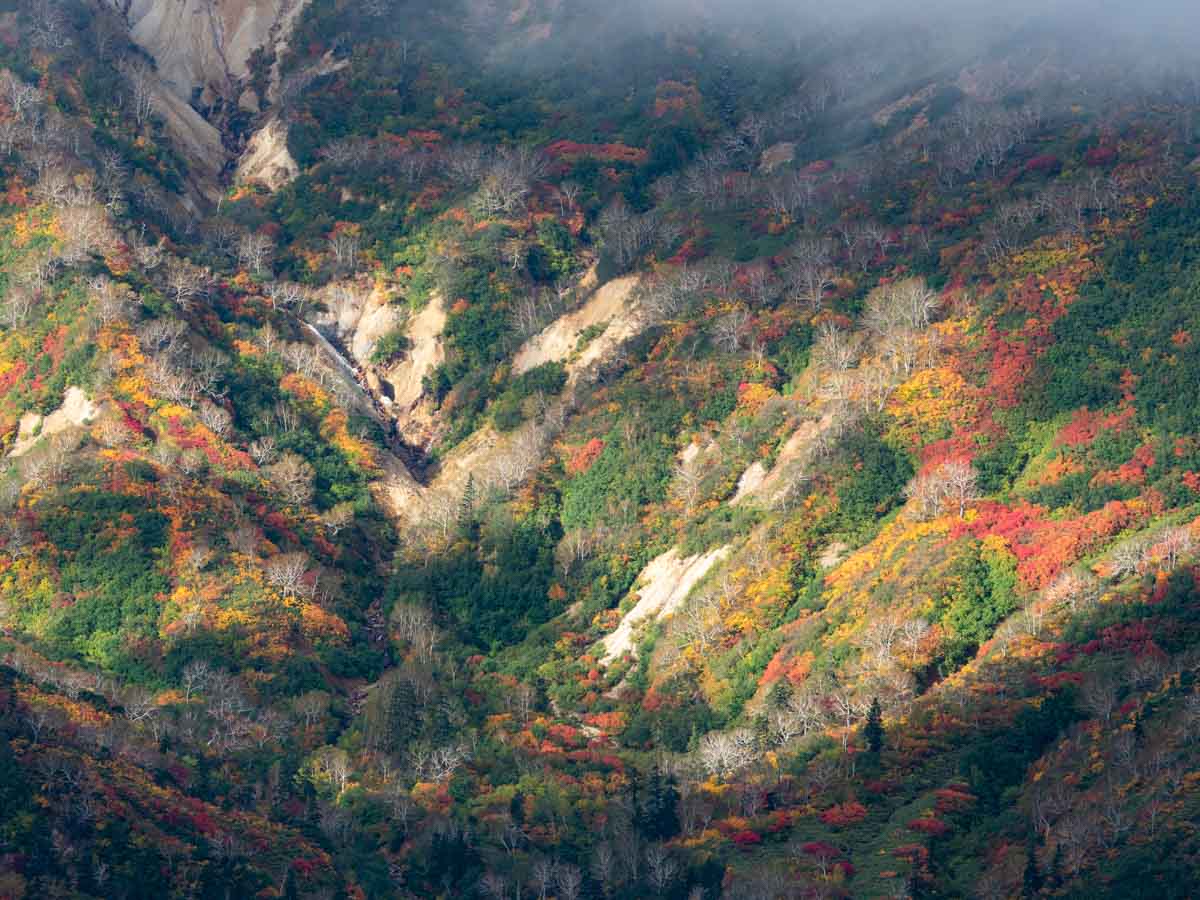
(873, 731)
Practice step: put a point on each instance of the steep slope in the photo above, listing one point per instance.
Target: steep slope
(205, 46)
(596, 455)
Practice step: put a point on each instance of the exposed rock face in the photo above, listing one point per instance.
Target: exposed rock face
(750, 481)
(775, 156)
(76, 410)
(267, 160)
(357, 317)
(203, 48)
(195, 138)
(765, 486)
(665, 584)
(205, 44)
(559, 340)
(489, 456)
(424, 355)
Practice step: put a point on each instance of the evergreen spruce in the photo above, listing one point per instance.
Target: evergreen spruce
(780, 694)
(1031, 881)
(656, 806)
(762, 733)
(466, 506)
(873, 731)
(402, 714)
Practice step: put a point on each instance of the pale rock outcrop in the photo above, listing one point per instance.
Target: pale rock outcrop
(425, 353)
(77, 410)
(665, 584)
(203, 48)
(775, 156)
(267, 160)
(750, 481)
(833, 554)
(398, 492)
(757, 482)
(690, 453)
(559, 340)
(358, 317)
(207, 44)
(489, 456)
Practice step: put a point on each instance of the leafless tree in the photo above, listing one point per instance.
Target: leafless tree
(802, 714)
(24, 99)
(730, 329)
(954, 482)
(568, 193)
(724, 753)
(53, 185)
(217, 419)
(47, 464)
(440, 763)
(1173, 546)
(48, 29)
(661, 869)
(149, 256)
(338, 517)
(195, 677)
(311, 707)
(848, 707)
(161, 337)
(285, 572)
(603, 868)
(254, 251)
(810, 274)
(836, 350)
(689, 481)
(568, 880)
(85, 230)
(114, 301)
(626, 234)
(493, 885)
(286, 295)
(293, 477)
(1129, 558)
(140, 705)
(790, 194)
(465, 164)
(18, 536)
(507, 182)
(350, 151)
(263, 451)
(186, 283)
(17, 305)
(1099, 696)
(1147, 671)
(12, 133)
(962, 484)
(40, 717)
(1073, 590)
(345, 246)
(334, 764)
(142, 91)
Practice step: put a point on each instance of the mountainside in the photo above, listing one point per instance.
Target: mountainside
(531, 448)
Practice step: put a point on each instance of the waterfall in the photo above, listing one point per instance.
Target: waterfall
(327, 345)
